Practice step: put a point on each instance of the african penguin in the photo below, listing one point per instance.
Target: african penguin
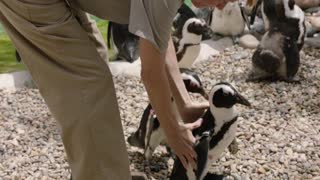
(215, 133)
(125, 44)
(183, 15)
(149, 134)
(229, 21)
(188, 46)
(192, 82)
(284, 16)
(276, 58)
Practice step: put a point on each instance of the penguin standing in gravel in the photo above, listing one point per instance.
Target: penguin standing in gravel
(276, 58)
(183, 15)
(149, 134)
(284, 16)
(125, 44)
(215, 134)
(188, 46)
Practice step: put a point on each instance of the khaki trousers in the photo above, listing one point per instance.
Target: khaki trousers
(65, 55)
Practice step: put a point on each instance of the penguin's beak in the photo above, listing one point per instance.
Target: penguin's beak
(242, 100)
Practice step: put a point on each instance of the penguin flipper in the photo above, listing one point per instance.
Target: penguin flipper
(202, 150)
(291, 52)
(137, 138)
(266, 60)
(178, 171)
(254, 12)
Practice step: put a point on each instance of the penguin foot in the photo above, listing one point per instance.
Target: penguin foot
(235, 39)
(256, 79)
(292, 80)
(233, 147)
(148, 153)
(211, 176)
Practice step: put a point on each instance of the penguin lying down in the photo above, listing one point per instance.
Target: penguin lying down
(149, 134)
(276, 58)
(215, 134)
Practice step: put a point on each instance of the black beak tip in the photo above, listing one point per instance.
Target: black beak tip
(243, 101)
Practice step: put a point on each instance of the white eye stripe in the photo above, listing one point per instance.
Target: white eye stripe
(225, 88)
(191, 78)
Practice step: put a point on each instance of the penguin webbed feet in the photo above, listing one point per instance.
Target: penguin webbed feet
(233, 147)
(211, 176)
(256, 78)
(235, 39)
(292, 80)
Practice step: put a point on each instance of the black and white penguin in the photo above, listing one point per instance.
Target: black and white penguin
(188, 46)
(215, 134)
(193, 82)
(125, 44)
(229, 21)
(149, 134)
(276, 58)
(183, 15)
(284, 16)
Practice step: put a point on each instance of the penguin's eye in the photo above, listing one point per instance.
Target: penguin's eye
(225, 94)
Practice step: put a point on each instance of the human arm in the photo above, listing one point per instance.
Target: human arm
(190, 111)
(156, 82)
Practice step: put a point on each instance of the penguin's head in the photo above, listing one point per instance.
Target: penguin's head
(130, 48)
(193, 82)
(224, 95)
(194, 29)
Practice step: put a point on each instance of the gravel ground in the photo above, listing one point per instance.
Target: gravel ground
(278, 137)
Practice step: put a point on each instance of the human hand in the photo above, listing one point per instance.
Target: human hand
(193, 111)
(181, 141)
(209, 3)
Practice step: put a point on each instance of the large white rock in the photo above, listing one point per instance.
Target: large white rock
(15, 80)
(248, 41)
(208, 49)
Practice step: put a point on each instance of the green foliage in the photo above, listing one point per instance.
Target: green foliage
(7, 50)
(7, 56)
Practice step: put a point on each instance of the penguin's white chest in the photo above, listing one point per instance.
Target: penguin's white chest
(228, 21)
(191, 54)
(228, 137)
(216, 152)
